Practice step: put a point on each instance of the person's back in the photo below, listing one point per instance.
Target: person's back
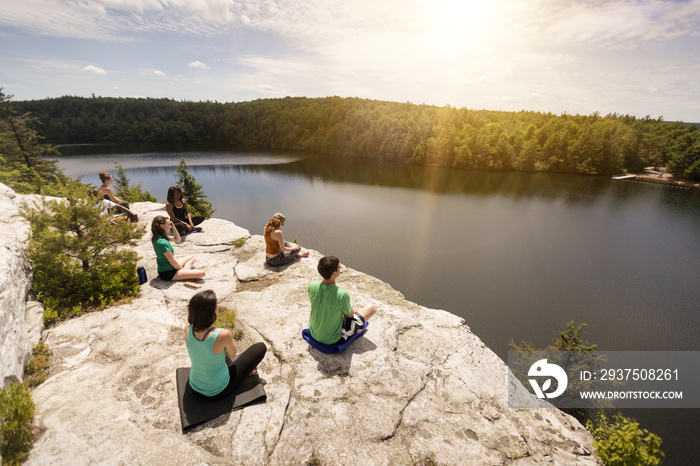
(209, 374)
(332, 319)
(328, 304)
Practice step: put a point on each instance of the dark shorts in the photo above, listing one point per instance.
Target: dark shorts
(284, 257)
(351, 326)
(167, 275)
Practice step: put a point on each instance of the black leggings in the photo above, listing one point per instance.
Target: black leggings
(284, 257)
(239, 369)
(184, 227)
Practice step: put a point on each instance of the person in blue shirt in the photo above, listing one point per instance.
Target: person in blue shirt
(213, 374)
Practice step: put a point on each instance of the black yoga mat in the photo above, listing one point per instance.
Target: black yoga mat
(196, 409)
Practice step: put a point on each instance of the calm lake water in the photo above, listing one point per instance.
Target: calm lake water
(517, 255)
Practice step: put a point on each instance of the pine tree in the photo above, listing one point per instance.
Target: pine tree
(22, 166)
(126, 191)
(77, 254)
(192, 192)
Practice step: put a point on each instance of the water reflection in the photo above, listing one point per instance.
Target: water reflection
(517, 255)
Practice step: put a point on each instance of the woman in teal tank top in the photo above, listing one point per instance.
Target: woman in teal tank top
(213, 374)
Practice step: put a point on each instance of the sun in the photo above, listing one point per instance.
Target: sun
(460, 25)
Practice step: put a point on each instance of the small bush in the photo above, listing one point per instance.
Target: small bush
(35, 369)
(50, 315)
(226, 318)
(623, 443)
(16, 426)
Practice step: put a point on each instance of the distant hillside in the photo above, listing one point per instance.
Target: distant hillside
(402, 132)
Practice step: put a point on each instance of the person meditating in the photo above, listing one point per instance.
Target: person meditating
(108, 207)
(170, 268)
(278, 251)
(213, 374)
(106, 191)
(179, 212)
(332, 319)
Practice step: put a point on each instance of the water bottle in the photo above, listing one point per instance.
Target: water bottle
(142, 274)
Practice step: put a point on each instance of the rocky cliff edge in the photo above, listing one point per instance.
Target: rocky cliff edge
(418, 385)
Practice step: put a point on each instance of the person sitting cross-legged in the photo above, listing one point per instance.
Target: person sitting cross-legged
(332, 318)
(213, 374)
(278, 251)
(170, 268)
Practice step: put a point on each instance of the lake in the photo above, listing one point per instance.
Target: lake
(517, 255)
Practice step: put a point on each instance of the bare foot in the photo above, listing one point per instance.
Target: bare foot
(304, 254)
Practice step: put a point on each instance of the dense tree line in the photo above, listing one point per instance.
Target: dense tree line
(402, 132)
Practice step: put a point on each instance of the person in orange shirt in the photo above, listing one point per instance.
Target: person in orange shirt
(278, 251)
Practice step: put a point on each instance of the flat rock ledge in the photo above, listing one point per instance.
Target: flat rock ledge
(418, 385)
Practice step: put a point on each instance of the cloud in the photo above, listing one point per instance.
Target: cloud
(618, 23)
(197, 64)
(158, 73)
(312, 23)
(118, 20)
(94, 69)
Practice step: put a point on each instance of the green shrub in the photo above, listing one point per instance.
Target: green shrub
(623, 443)
(16, 426)
(50, 315)
(35, 369)
(78, 256)
(225, 318)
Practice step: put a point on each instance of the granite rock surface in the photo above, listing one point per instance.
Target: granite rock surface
(418, 385)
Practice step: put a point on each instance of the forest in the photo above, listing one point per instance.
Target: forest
(390, 131)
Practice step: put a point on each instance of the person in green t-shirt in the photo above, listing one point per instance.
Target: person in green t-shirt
(170, 268)
(332, 318)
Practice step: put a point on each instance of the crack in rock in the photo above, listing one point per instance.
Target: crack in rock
(410, 400)
(401, 331)
(284, 419)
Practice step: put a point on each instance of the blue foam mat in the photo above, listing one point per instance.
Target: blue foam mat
(306, 335)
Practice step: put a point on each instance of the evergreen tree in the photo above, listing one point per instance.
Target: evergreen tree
(126, 191)
(192, 192)
(78, 256)
(21, 164)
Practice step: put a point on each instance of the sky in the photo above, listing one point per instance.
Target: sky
(633, 57)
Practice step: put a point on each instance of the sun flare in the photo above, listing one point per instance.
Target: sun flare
(457, 26)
